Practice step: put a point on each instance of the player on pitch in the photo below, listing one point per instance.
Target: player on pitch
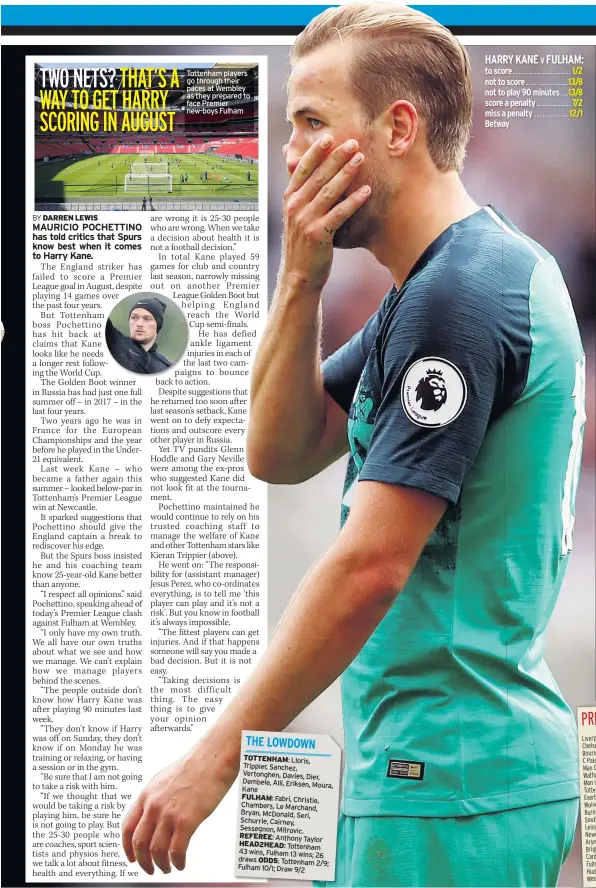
(461, 403)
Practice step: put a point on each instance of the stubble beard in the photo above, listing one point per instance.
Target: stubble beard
(143, 339)
(362, 228)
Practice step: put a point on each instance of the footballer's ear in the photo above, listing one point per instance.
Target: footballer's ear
(400, 123)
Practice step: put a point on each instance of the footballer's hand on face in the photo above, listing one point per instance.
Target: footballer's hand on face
(160, 824)
(315, 205)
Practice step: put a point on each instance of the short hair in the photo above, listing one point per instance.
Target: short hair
(398, 52)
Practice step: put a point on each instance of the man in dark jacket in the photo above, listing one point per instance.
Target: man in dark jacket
(138, 352)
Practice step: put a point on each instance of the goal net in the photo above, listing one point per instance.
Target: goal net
(147, 178)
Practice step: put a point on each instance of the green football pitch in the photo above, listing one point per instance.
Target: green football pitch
(102, 176)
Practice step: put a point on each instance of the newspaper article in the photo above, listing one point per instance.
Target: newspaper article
(147, 548)
(158, 565)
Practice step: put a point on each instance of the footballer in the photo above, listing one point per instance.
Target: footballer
(138, 351)
(461, 406)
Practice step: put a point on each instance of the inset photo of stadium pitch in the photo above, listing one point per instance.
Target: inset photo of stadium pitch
(150, 137)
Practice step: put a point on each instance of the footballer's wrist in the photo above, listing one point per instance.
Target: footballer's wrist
(296, 285)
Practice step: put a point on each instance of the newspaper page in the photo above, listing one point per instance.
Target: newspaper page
(147, 549)
(156, 565)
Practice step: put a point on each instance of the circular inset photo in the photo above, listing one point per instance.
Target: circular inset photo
(146, 333)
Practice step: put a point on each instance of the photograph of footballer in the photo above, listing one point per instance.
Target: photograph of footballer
(144, 316)
(461, 406)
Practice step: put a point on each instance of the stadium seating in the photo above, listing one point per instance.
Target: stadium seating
(174, 143)
(245, 147)
(61, 148)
